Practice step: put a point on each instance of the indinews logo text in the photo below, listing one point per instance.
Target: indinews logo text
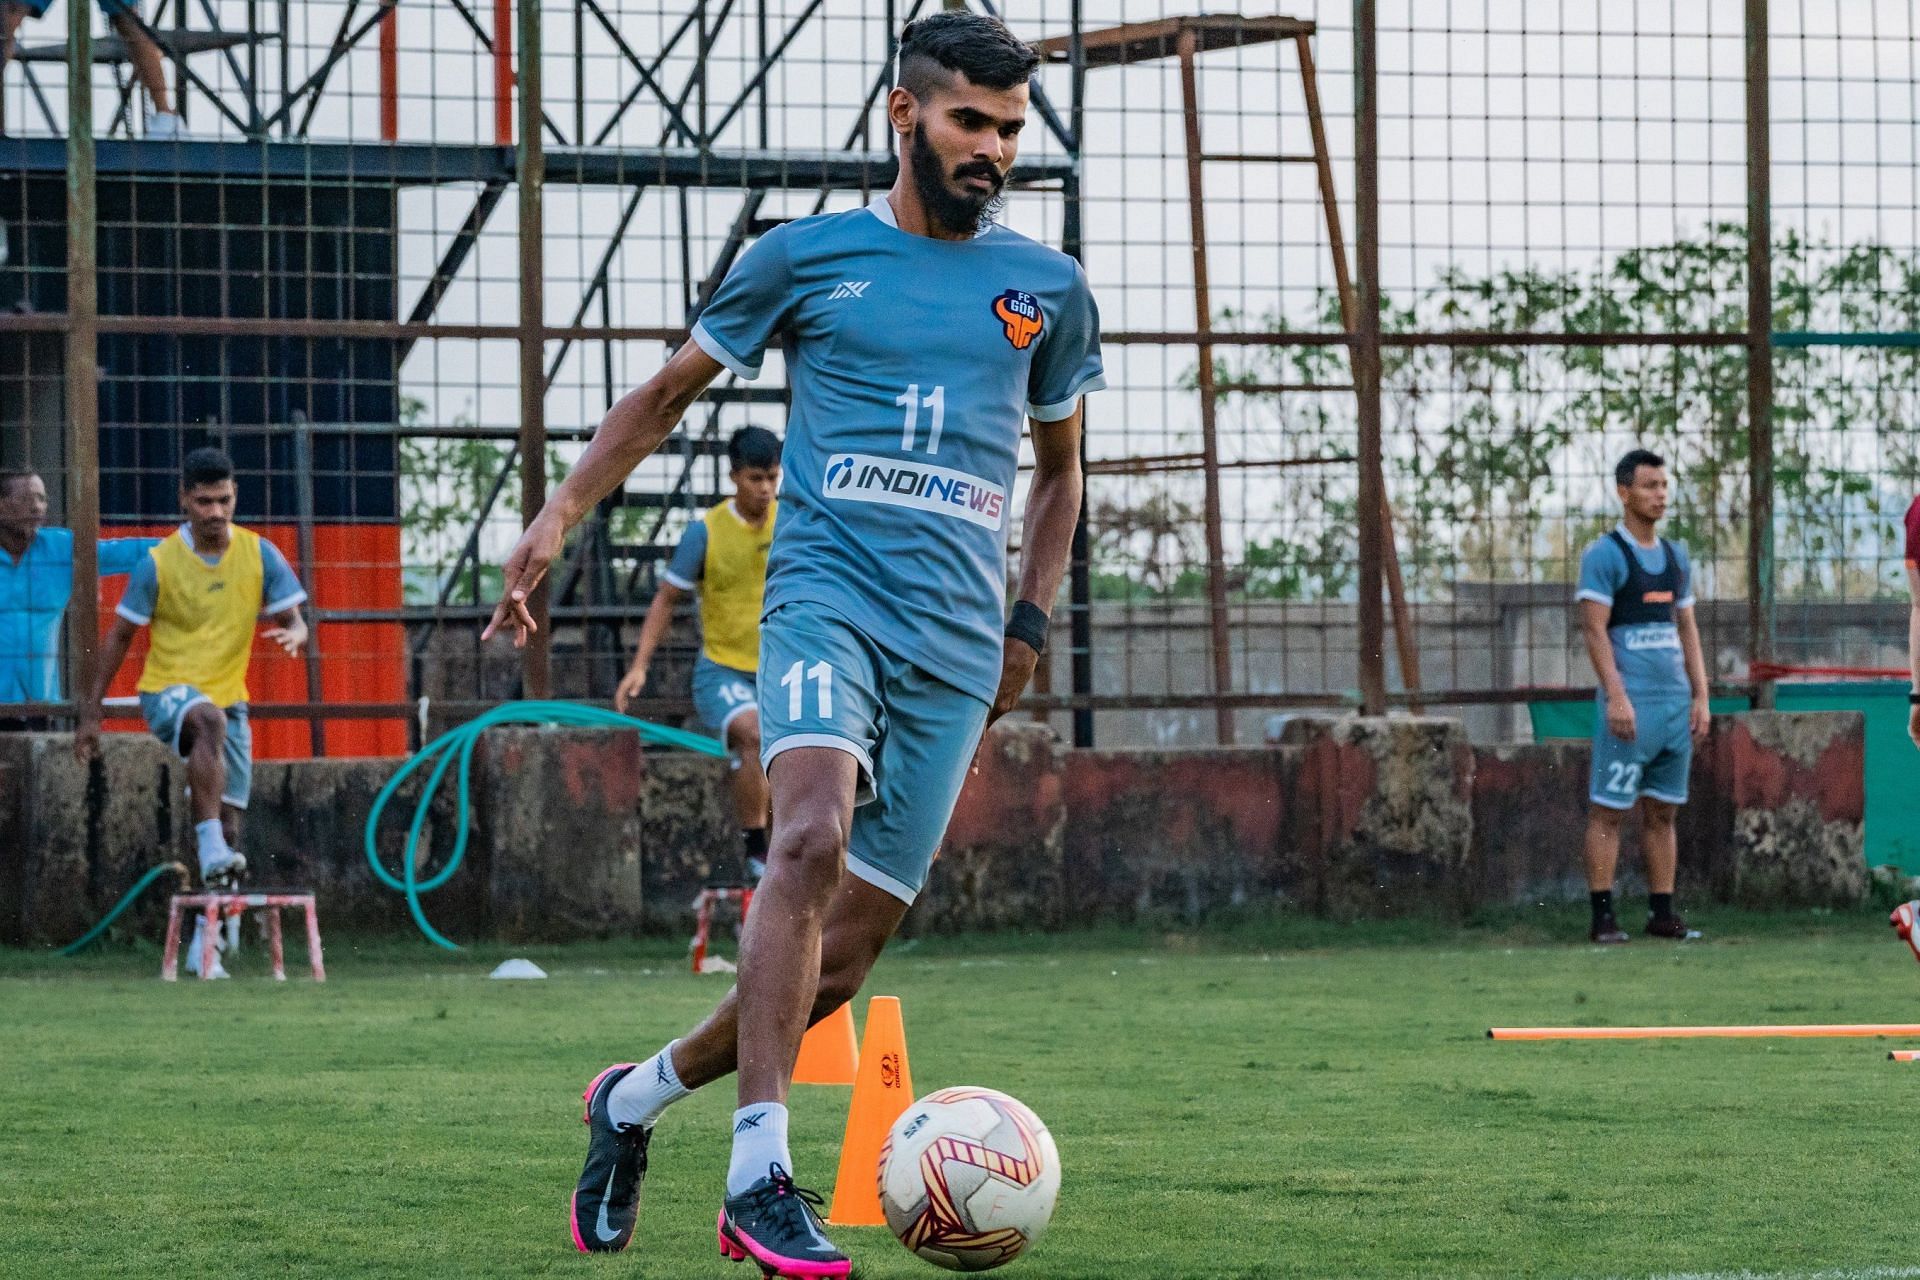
(861, 477)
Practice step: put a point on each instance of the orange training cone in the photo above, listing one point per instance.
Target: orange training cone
(883, 1090)
(827, 1052)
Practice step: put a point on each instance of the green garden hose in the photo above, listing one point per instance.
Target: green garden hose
(458, 744)
(153, 873)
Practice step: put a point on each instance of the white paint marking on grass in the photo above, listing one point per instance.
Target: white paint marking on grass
(1837, 1273)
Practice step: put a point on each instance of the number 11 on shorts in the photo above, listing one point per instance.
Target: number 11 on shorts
(794, 682)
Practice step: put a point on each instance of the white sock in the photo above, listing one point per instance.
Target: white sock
(646, 1091)
(759, 1140)
(213, 840)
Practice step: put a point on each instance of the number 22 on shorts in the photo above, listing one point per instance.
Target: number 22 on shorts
(795, 682)
(1623, 779)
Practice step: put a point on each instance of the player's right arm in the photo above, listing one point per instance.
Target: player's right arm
(632, 429)
(1593, 625)
(659, 618)
(113, 652)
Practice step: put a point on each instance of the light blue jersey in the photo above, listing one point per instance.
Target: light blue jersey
(35, 590)
(1647, 653)
(913, 362)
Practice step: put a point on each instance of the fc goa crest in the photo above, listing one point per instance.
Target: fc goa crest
(1020, 317)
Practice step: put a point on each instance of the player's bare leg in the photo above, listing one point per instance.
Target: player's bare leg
(203, 736)
(1662, 844)
(1602, 853)
(752, 805)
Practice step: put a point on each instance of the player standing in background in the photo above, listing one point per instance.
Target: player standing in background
(723, 556)
(1636, 610)
(1913, 621)
(148, 62)
(202, 591)
(918, 332)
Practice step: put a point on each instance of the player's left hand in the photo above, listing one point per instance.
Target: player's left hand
(291, 639)
(1699, 718)
(1017, 662)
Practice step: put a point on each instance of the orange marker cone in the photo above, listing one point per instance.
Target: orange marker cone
(882, 1091)
(827, 1052)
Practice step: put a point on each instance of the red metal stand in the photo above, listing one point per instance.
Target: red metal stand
(216, 905)
(740, 893)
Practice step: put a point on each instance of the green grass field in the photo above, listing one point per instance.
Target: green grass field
(1277, 1099)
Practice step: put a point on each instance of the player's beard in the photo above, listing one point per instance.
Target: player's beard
(962, 212)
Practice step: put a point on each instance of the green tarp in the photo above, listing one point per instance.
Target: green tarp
(1893, 765)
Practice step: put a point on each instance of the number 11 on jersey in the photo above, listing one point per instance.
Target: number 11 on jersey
(935, 400)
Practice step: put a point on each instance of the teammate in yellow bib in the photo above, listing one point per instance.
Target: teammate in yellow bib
(202, 591)
(723, 557)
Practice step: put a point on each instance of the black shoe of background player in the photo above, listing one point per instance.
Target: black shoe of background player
(773, 1224)
(1607, 932)
(606, 1201)
(1670, 926)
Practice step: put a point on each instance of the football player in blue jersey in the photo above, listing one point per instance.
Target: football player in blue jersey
(1636, 610)
(921, 337)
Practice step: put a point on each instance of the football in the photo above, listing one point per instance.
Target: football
(968, 1178)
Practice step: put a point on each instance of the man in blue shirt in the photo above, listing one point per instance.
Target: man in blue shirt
(1636, 610)
(36, 583)
(918, 334)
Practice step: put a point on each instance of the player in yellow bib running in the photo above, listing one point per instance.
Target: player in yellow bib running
(202, 591)
(723, 557)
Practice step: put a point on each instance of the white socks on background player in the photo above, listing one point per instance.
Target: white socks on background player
(759, 1131)
(213, 844)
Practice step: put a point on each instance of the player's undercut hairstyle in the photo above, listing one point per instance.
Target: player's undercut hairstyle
(205, 466)
(1624, 471)
(934, 48)
(10, 476)
(753, 447)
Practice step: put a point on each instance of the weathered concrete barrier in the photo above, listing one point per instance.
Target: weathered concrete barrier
(581, 833)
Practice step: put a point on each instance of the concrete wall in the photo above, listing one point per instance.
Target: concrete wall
(580, 833)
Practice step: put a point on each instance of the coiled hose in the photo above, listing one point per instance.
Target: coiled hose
(127, 900)
(457, 745)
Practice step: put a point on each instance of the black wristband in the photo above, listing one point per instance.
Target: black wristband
(1028, 624)
(1913, 699)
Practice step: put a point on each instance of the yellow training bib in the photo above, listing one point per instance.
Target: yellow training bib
(204, 617)
(733, 583)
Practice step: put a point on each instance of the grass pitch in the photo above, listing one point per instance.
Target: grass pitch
(1277, 1099)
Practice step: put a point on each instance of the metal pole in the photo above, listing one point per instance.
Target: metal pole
(1366, 359)
(536, 674)
(1760, 566)
(82, 371)
(503, 73)
(1080, 580)
(304, 547)
(1188, 44)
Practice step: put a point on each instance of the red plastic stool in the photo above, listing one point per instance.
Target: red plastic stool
(216, 905)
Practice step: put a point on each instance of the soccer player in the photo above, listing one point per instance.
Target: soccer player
(724, 557)
(918, 332)
(202, 590)
(36, 584)
(1636, 610)
(148, 64)
(1913, 621)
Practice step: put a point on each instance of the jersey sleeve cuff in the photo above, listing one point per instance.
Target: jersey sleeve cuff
(1589, 593)
(705, 340)
(1684, 604)
(286, 602)
(136, 619)
(678, 581)
(1064, 408)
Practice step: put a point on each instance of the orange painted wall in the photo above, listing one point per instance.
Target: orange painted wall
(359, 568)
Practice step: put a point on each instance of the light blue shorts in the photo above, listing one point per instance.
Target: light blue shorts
(914, 736)
(165, 711)
(1654, 764)
(112, 8)
(720, 694)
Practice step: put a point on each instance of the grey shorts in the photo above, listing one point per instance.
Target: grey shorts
(1654, 764)
(721, 695)
(165, 711)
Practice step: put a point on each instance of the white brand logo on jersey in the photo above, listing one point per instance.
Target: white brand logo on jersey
(849, 289)
(1659, 635)
(862, 477)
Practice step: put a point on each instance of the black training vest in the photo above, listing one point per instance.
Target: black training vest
(1647, 597)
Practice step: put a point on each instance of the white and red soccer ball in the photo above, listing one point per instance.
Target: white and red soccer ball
(968, 1178)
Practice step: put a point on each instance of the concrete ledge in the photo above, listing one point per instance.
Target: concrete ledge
(1001, 865)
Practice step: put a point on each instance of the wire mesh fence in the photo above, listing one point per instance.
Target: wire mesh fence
(399, 277)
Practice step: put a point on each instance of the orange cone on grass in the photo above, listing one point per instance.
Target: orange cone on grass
(883, 1089)
(827, 1052)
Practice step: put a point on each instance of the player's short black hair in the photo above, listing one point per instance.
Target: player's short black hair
(205, 466)
(753, 447)
(1632, 462)
(975, 45)
(9, 475)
